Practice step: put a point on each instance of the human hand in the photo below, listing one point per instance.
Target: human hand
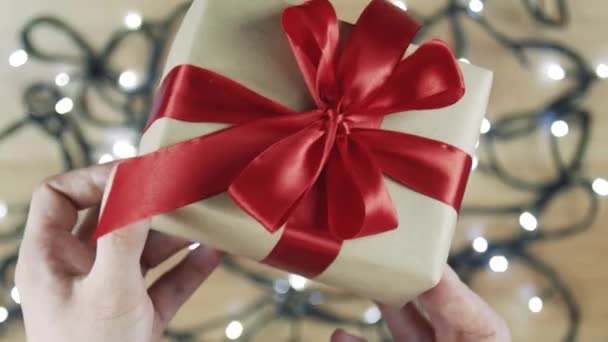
(72, 291)
(450, 312)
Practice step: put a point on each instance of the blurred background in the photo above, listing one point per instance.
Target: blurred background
(78, 77)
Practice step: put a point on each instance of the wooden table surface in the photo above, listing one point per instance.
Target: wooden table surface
(29, 157)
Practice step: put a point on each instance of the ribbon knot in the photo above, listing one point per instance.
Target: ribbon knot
(319, 173)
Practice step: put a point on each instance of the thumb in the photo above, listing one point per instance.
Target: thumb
(119, 253)
(342, 336)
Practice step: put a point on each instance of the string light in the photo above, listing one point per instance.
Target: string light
(535, 304)
(3, 314)
(559, 128)
(64, 106)
(15, 295)
(18, 58)
(372, 315)
(602, 71)
(133, 20)
(105, 158)
(485, 126)
(3, 209)
(297, 282)
(476, 6)
(480, 244)
(600, 186)
(464, 60)
(556, 72)
(194, 246)
(499, 263)
(124, 149)
(528, 221)
(128, 80)
(234, 330)
(62, 79)
(400, 3)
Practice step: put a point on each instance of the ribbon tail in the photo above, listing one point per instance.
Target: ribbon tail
(190, 171)
(358, 202)
(432, 168)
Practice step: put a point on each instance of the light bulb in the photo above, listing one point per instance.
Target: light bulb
(476, 6)
(400, 3)
(18, 58)
(133, 20)
(602, 71)
(600, 186)
(15, 295)
(3, 314)
(528, 221)
(128, 80)
(535, 304)
(499, 263)
(124, 149)
(480, 245)
(372, 315)
(234, 330)
(3, 209)
(64, 106)
(105, 158)
(485, 126)
(297, 282)
(556, 72)
(62, 79)
(559, 128)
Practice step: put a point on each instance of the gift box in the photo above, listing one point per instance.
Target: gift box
(279, 137)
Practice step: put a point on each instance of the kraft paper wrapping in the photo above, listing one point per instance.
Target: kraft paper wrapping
(244, 40)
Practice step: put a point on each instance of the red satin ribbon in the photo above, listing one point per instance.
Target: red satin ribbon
(318, 173)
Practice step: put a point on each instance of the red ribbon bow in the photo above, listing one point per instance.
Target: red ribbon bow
(319, 172)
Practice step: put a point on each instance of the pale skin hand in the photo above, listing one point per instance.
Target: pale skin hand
(72, 291)
(450, 312)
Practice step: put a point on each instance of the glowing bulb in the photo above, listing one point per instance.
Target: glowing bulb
(18, 58)
(559, 128)
(105, 158)
(400, 3)
(234, 330)
(476, 6)
(464, 60)
(499, 263)
(297, 282)
(128, 80)
(133, 20)
(372, 315)
(528, 221)
(3, 209)
(15, 295)
(64, 106)
(480, 244)
(194, 246)
(475, 163)
(535, 304)
(124, 149)
(600, 186)
(62, 79)
(485, 126)
(3, 314)
(602, 71)
(281, 286)
(556, 72)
